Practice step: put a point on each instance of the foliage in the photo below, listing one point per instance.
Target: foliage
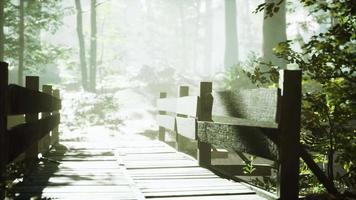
(43, 16)
(91, 109)
(13, 174)
(329, 96)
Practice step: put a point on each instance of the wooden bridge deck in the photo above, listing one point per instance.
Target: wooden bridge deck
(134, 167)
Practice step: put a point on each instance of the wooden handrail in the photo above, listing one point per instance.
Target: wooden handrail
(271, 130)
(28, 101)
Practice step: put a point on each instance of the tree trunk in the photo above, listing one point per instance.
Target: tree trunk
(2, 35)
(231, 41)
(274, 32)
(21, 42)
(208, 37)
(93, 46)
(83, 63)
(184, 49)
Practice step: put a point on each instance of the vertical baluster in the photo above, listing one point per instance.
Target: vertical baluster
(205, 114)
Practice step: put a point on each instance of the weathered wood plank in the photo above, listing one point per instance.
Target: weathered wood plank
(22, 101)
(214, 197)
(167, 104)
(244, 139)
(255, 104)
(187, 105)
(166, 121)
(244, 122)
(186, 127)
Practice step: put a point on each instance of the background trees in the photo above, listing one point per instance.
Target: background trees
(329, 81)
(154, 44)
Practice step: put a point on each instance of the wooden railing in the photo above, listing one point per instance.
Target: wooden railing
(262, 122)
(36, 135)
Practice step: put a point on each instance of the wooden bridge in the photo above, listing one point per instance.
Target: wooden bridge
(265, 123)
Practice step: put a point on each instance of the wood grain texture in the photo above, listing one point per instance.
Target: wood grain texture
(244, 122)
(245, 139)
(254, 104)
(175, 176)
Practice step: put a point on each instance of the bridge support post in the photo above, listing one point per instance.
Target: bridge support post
(205, 114)
(162, 130)
(183, 91)
(31, 155)
(3, 122)
(55, 132)
(289, 136)
(45, 141)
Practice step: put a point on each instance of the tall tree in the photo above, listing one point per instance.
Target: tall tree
(183, 33)
(21, 42)
(2, 35)
(83, 63)
(208, 36)
(231, 40)
(274, 32)
(93, 48)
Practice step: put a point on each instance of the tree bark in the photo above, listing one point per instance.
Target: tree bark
(93, 45)
(274, 32)
(21, 42)
(231, 40)
(83, 63)
(2, 35)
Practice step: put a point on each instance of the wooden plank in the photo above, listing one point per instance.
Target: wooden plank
(78, 195)
(186, 127)
(244, 139)
(167, 104)
(162, 130)
(23, 136)
(76, 189)
(3, 117)
(55, 131)
(205, 114)
(290, 110)
(22, 101)
(244, 122)
(45, 141)
(214, 197)
(255, 104)
(187, 106)
(166, 121)
(32, 147)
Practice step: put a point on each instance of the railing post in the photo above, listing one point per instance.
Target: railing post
(288, 138)
(45, 141)
(32, 83)
(162, 130)
(3, 122)
(55, 132)
(183, 91)
(205, 114)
